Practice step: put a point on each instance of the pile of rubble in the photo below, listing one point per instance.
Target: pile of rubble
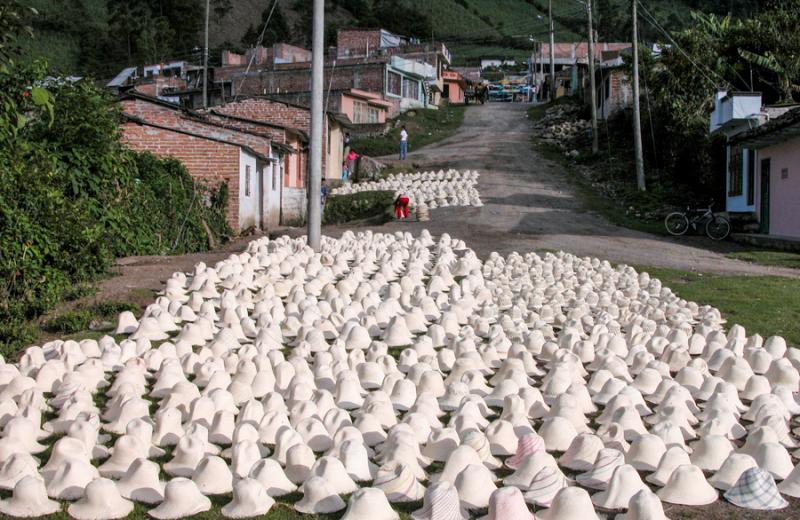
(560, 126)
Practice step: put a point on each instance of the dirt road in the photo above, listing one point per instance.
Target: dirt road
(530, 204)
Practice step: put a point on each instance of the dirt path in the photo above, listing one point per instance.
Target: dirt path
(530, 205)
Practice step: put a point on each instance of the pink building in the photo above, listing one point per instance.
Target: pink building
(364, 107)
(776, 147)
(455, 86)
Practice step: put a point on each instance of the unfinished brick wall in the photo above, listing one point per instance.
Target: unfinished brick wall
(357, 42)
(209, 162)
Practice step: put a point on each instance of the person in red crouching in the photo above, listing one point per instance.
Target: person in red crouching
(401, 206)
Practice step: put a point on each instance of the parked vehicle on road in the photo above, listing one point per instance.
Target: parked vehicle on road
(716, 227)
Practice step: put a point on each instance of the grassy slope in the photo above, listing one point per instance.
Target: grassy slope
(424, 127)
(767, 305)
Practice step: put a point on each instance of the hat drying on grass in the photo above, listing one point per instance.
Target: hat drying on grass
(29, 499)
(101, 501)
(181, 499)
(545, 486)
(141, 482)
(441, 502)
(526, 445)
(687, 486)
(369, 504)
(570, 503)
(756, 489)
(644, 505)
(507, 503)
(475, 485)
(319, 497)
(250, 499)
(624, 483)
(608, 459)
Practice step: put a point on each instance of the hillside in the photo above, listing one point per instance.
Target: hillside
(126, 33)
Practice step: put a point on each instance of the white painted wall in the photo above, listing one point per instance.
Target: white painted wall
(271, 189)
(248, 195)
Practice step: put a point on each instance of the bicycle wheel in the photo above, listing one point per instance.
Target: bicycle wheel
(718, 228)
(676, 223)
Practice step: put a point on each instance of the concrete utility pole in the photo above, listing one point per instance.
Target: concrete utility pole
(637, 122)
(205, 61)
(317, 118)
(592, 86)
(552, 52)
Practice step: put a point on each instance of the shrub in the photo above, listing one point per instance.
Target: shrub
(359, 206)
(70, 322)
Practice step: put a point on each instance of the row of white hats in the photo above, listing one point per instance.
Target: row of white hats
(442, 189)
(63, 353)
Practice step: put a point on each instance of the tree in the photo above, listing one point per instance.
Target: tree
(277, 30)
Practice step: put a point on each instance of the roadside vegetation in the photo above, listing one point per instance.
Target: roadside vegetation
(773, 258)
(767, 305)
(73, 198)
(424, 127)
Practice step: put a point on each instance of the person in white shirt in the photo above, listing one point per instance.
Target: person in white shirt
(403, 143)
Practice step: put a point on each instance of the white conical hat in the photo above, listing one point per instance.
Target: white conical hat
(188, 453)
(398, 483)
(369, 504)
(29, 499)
(526, 445)
(459, 459)
(127, 449)
(141, 482)
(645, 452)
(624, 483)
(756, 489)
(269, 473)
(299, 461)
(731, 470)
(212, 476)
(126, 323)
(16, 467)
(557, 433)
(570, 503)
(545, 486)
(319, 497)
(181, 499)
(672, 458)
(530, 467)
(644, 505)
(710, 452)
(475, 484)
(441, 502)
(249, 499)
(604, 465)
(70, 479)
(440, 444)
(774, 458)
(101, 501)
(507, 503)
(397, 333)
(687, 486)
(582, 452)
(333, 471)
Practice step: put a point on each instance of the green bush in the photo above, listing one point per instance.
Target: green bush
(70, 322)
(359, 206)
(73, 198)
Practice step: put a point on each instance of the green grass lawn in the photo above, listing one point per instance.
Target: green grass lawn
(767, 305)
(774, 258)
(424, 127)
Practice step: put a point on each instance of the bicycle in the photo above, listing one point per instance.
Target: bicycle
(716, 227)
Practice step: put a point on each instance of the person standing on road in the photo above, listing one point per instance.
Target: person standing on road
(403, 143)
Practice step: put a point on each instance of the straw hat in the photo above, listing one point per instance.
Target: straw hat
(675, 456)
(624, 483)
(557, 433)
(141, 482)
(181, 499)
(710, 452)
(608, 459)
(507, 503)
(441, 502)
(335, 475)
(644, 505)
(475, 484)
(460, 458)
(29, 499)
(319, 497)
(774, 458)
(582, 452)
(70, 479)
(249, 499)
(212, 476)
(545, 485)
(398, 483)
(645, 452)
(369, 504)
(569, 504)
(101, 501)
(687, 486)
(269, 473)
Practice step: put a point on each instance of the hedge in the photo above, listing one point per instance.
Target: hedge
(359, 206)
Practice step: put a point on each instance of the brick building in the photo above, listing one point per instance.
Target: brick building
(249, 162)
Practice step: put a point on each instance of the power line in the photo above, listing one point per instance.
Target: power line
(258, 44)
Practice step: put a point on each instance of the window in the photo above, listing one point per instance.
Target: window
(394, 85)
(356, 79)
(247, 174)
(275, 169)
(784, 173)
(751, 177)
(735, 172)
(364, 114)
(410, 88)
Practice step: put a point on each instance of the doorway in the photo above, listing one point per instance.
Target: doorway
(765, 167)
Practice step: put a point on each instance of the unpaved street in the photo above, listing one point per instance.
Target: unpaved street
(529, 203)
